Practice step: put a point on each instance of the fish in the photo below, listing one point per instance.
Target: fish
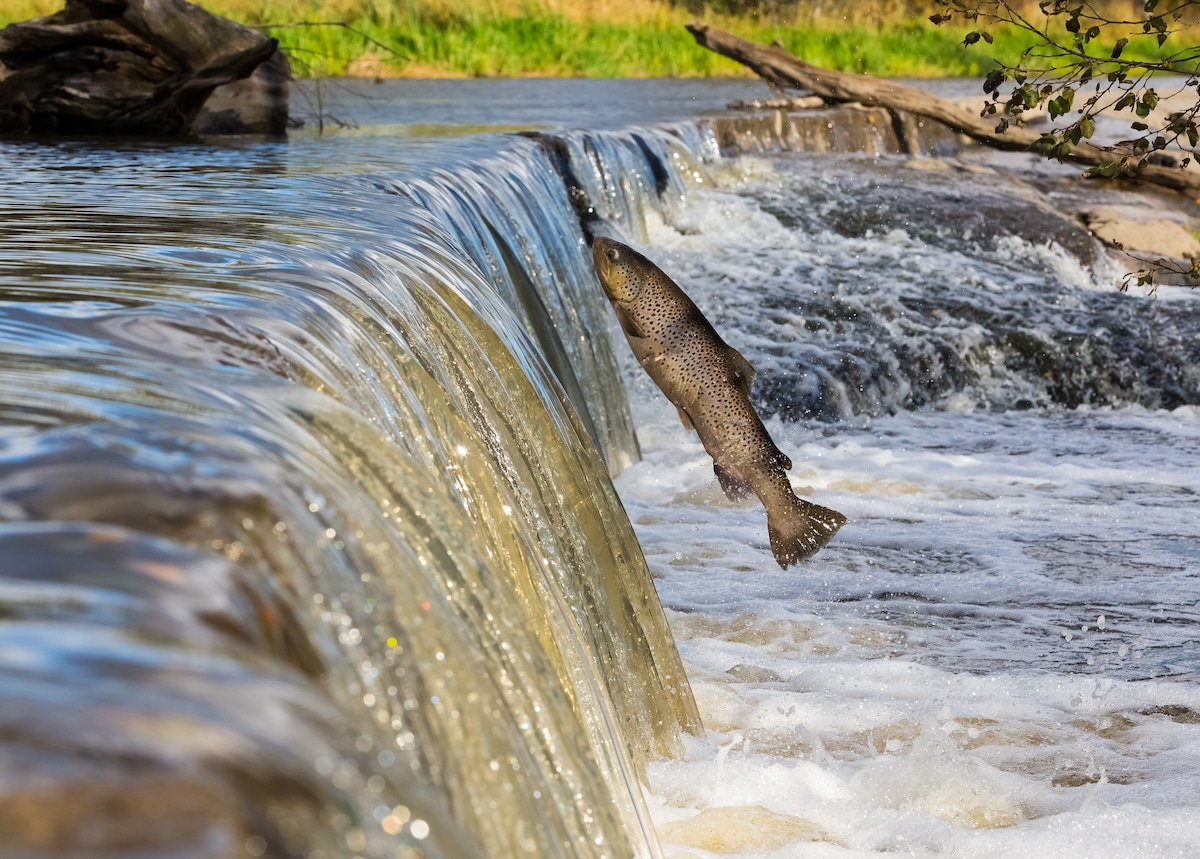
(709, 382)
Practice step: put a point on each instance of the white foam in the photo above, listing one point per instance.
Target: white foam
(912, 687)
(937, 680)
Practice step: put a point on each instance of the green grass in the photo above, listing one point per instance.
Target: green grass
(463, 40)
(538, 44)
(549, 45)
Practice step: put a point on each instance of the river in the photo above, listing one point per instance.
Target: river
(336, 519)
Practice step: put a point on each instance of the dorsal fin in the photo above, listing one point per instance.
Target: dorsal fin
(743, 373)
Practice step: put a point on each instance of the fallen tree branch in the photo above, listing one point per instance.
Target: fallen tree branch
(781, 69)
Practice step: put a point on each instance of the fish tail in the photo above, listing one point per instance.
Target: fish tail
(800, 530)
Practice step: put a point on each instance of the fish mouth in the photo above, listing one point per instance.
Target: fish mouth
(600, 261)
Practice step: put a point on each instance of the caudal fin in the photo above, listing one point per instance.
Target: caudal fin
(801, 530)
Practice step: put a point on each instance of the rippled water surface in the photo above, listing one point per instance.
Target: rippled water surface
(308, 545)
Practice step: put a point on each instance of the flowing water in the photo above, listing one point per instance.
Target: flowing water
(309, 546)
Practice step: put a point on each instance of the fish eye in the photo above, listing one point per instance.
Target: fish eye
(612, 254)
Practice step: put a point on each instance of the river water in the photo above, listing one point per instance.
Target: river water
(309, 546)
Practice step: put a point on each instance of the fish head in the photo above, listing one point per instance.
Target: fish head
(621, 269)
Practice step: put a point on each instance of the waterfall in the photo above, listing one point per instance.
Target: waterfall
(309, 543)
(309, 546)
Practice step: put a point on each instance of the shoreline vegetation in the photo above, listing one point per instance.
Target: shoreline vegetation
(600, 38)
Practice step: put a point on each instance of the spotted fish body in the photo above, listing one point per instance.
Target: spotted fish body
(709, 383)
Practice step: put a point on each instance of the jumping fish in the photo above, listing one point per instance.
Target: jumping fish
(709, 383)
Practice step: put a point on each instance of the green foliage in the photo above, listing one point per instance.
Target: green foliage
(487, 38)
(539, 43)
(1061, 63)
(1089, 58)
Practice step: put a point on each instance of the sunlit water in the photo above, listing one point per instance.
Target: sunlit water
(308, 546)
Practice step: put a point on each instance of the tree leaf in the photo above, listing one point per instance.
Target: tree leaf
(1087, 126)
(1107, 169)
(1118, 47)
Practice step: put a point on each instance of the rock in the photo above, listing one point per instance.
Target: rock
(255, 105)
(138, 67)
(1137, 229)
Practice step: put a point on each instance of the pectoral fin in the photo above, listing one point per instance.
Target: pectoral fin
(630, 327)
(685, 418)
(742, 374)
(735, 488)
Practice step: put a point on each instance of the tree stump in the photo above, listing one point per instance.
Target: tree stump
(130, 67)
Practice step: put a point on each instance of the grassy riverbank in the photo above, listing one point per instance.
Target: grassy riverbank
(587, 38)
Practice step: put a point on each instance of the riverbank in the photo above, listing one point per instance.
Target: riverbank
(596, 39)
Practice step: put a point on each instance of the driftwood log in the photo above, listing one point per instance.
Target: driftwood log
(140, 67)
(778, 67)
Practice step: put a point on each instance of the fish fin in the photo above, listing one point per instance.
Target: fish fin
(743, 373)
(783, 460)
(801, 530)
(685, 418)
(735, 488)
(627, 323)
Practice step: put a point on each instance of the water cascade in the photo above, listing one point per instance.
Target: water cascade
(306, 552)
(309, 544)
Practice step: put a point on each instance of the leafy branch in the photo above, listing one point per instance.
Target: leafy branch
(1080, 66)
(1056, 70)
